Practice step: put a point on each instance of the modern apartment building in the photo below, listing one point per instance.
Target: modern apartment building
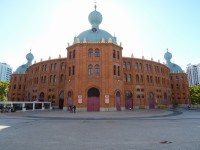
(193, 72)
(5, 72)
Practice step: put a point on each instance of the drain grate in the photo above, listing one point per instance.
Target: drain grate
(166, 142)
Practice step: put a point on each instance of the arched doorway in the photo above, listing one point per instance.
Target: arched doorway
(118, 101)
(61, 100)
(151, 101)
(69, 100)
(93, 103)
(41, 98)
(165, 99)
(128, 100)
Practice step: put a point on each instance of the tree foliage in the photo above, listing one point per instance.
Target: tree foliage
(4, 90)
(195, 94)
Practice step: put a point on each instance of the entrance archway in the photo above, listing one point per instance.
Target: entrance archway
(61, 100)
(93, 103)
(118, 101)
(151, 101)
(69, 100)
(128, 100)
(41, 98)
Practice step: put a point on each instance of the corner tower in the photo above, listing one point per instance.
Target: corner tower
(94, 69)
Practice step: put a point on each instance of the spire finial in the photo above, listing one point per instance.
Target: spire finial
(167, 49)
(95, 6)
(30, 50)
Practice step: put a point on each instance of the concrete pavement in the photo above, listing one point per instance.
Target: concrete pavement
(126, 130)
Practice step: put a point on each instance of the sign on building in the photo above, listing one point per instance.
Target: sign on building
(107, 99)
(80, 99)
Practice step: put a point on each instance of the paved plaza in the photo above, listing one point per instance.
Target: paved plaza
(124, 130)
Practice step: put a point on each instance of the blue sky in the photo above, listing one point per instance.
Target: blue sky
(145, 28)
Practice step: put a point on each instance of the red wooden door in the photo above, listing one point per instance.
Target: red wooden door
(93, 104)
(61, 103)
(69, 102)
(151, 103)
(129, 103)
(118, 103)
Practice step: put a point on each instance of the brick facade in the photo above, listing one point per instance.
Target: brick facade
(99, 70)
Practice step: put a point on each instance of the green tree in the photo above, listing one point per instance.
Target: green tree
(195, 94)
(4, 85)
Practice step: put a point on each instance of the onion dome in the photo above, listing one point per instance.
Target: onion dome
(174, 68)
(23, 68)
(30, 57)
(95, 35)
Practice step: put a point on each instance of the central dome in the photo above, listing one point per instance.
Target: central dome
(95, 35)
(95, 19)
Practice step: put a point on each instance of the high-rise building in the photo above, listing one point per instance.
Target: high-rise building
(193, 72)
(5, 72)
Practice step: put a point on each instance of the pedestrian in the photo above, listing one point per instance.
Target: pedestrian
(70, 108)
(74, 108)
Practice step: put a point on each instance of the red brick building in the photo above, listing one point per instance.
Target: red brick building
(95, 77)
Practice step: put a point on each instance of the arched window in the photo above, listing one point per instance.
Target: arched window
(69, 71)
(137, 78)
(136, 66)
(90, 69)
(62, 66)
(128, 65)
(74, 53)
(55, 66)
(141, 78)
(90, 52)
(54, 78)
(42, 67)
(97, 53)
(114, 54)
(151, 79)
(114, 70)
(62, 78)
(117, 54)
(51, 78)
(147, 67)
(97, 70)
(147, 78)
(140, 66)
(118, 70)
(70, 55)
(129, 78)
(45, 67)
(158, 80)
(124, 77)
(52, 66)
(124, 64)
(138, 96)
(73, 70)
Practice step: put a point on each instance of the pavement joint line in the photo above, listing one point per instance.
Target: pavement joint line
(174, 113)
